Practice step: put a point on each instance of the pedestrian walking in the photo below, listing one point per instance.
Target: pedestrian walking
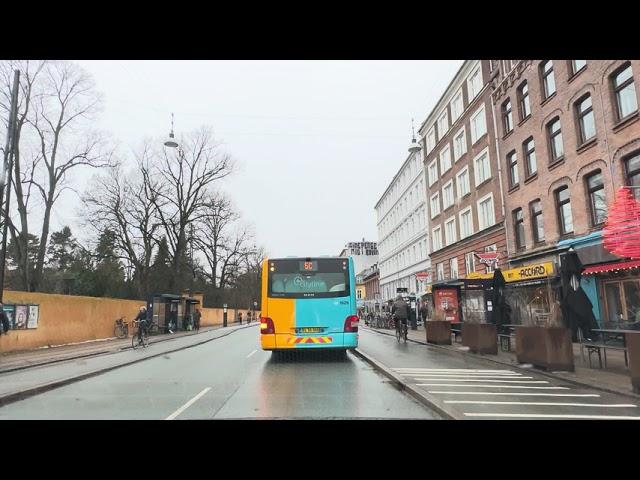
(423, 312)
(196, 319)
(240, 317)
(4, 321)
(249, 317)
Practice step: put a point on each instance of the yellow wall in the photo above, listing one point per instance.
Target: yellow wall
(68, 319)
(363, 292)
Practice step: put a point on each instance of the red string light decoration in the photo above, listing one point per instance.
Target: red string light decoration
(621, 234)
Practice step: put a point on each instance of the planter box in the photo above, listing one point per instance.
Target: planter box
(438, 332)
(547, 347)
(633, 346)
(480, 337)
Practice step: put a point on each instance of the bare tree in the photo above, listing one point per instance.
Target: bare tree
(212, 235)
(57, 102)
(126, 204)
(186, 175)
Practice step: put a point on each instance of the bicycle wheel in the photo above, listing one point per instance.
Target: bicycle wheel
(398, 333)
(404, 330)
(135, 341)
(145, 339)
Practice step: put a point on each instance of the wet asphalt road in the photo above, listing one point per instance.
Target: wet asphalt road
(478, 389)
(227, 378)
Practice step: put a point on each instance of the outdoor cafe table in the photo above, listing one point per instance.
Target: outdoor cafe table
(614, 332)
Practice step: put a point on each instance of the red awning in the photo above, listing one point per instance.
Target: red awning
(612, 266)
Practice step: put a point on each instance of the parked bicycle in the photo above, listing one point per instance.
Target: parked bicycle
(121, 329)
(141, 337)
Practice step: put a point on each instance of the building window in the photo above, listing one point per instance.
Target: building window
(625, 92)
(525, 106)
(469, 262)
(563, 205)
(512, 163)
(462, 180)
(537, 221)
(459, 145)
(440, 271)
(507, 117)
(433, 172)
(359, 292)
(436, 239)
(597, 201)
(466, 223)
(457, 107)
(453, 267)
(482, 168)
(474, 84)
(554, 133)
(486, 214)
(431, 140)
(548, 79)
(443, 124)
(435, 204)
(450, 231)
(447, 195)
(518, 225)
(445, 160)
(478, 125)
(530, 157)
(632, 169)
(577, 65)
(586, 120)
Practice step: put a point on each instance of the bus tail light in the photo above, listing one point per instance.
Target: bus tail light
(351, 324)
(266, 325)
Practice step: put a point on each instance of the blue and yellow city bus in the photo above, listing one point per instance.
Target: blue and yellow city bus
(308, 303)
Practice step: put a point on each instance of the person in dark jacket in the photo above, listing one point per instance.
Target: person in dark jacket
(240, 317)
(400, 310)
(4, 321)
(196, 319)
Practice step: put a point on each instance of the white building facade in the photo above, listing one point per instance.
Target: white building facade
(403, 241)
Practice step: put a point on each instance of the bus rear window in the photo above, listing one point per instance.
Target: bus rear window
(296, 279)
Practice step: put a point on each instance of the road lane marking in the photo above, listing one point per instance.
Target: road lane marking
(555, 404)
(452, 370)
(188, 404)
(481, 380)
(516, 394)
(468, 375)
(511, 378)
(252, 353)
(542, 415)
(487, 386)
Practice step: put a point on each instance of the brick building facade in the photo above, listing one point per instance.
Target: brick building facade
(569, 137)
(464, 196)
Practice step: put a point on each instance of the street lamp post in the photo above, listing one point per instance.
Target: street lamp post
(7, 165)
(224, 315)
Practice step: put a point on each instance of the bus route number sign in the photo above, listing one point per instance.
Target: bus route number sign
(309, 266)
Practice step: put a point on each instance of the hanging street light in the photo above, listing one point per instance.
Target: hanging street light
(171, 141)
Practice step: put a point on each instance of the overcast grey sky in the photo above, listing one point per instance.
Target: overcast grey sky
(317, 142)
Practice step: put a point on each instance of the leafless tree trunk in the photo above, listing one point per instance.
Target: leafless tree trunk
(187, 174)
(125, 204)
(57, 101)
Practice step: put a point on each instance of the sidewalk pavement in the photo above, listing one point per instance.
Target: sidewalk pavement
(12, 361)
(614, 379)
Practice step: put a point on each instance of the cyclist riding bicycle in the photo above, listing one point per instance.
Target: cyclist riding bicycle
(400, 311)
(142, 319)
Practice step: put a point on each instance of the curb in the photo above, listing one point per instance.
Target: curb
(33, 391)
(422, 397)
(515, 365)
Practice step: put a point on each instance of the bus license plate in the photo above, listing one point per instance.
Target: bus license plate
(310, 330)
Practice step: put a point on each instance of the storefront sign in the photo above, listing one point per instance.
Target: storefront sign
(527, 272)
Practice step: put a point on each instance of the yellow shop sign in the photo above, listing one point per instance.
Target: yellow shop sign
(527, 272)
